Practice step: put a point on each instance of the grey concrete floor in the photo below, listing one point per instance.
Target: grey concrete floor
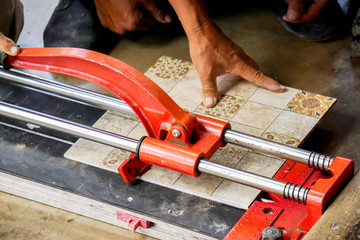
(324, 68)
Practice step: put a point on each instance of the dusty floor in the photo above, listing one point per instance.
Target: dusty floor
(324, 68)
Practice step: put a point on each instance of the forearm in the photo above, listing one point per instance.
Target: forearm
(192, 14)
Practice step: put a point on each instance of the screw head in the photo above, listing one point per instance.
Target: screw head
(176, 133)
(272, 233)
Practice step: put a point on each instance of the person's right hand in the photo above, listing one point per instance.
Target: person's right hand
(122, 16)
(8, 46)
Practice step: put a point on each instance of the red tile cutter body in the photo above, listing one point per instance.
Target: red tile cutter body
(182, 141)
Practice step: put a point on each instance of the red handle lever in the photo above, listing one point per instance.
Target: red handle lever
(157, 111)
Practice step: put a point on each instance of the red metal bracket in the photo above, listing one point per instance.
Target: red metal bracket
(294, 219)
(133, 222)
(159, 114)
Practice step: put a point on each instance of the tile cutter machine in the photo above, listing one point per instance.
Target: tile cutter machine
(183, 141)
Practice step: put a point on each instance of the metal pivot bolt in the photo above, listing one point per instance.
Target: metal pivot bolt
(176, 133)
(271, 233)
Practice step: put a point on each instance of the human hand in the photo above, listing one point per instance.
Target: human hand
(299, 12)
(122, 16)
(214, 54)
(8, 46)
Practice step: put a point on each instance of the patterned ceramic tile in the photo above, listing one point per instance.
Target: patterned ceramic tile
(229, 155)
(115, 158)
(224, 109)
(282, 138)
(187, 93)
(256, 115)
(235, 194)
(196, 185)
(167, 71)
(311, 104)
(290, 127)
(259, 164)
(274, 99)
(246, 129)
(233, 85)
(252, 110)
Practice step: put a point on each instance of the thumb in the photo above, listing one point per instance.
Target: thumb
(156, 12)
(209, 90)
(8, 46)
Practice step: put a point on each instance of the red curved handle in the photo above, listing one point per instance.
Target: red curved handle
(156, 110)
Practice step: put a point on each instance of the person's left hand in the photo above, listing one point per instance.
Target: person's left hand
(298, 12)
(214, 54)
(8, 46)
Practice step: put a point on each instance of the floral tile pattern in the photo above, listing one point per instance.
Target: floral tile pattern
(281, 117)
(170, 68)
(310, 104)
(226, 107)
(282, 138)
(229, 155)
(167, 71)
(115, 158)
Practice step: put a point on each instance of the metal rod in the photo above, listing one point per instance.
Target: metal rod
(70, 127)
(312, 159)
(86, 96)
(287, 190)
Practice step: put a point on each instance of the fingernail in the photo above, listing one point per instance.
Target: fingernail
(167, 18)
(13, 50)
(293, 15)
(209, 101)
(281, 88)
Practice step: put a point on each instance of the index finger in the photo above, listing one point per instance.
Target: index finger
(255, 76)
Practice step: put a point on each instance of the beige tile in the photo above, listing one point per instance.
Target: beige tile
(310, 104)
(124, 115)
(256, 115)
(115, 124)
(138, 132)
(167, 71)
(235, 86)
(259, 164)
(224, 109)
(235, 194)
(161, 176)
(246, 129)
(204, 184)
(115, 158)
(229, 155)
(94, 153)
(274, 99)
(187, 93)
(291, 128)
(88, 152)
